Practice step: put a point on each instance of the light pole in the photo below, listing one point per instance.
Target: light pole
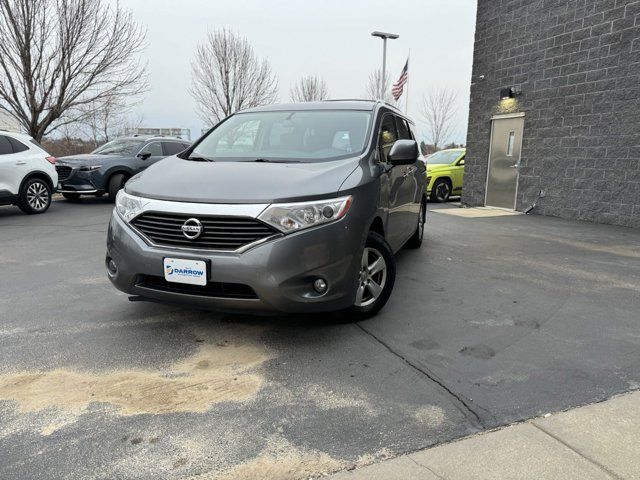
(384, 36)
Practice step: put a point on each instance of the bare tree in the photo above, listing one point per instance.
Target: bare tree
(309, 89)
(58, 56)
(375, 85)
(227, 77)
(102, 120)
(438, 112)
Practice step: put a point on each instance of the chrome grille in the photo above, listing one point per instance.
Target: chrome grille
(63, 172)
(218, 233)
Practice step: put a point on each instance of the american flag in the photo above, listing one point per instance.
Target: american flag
(398, 87)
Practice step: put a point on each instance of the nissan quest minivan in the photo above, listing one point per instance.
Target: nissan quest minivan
(283, 208)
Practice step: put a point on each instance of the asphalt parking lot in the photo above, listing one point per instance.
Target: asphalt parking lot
(495, 320)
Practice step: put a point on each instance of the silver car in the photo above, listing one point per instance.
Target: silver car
(285, 208)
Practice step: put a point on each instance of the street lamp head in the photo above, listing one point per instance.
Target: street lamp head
(392, 36)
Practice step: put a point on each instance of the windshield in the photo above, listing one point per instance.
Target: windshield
(119, 147)
(444, 157)
(301, 136)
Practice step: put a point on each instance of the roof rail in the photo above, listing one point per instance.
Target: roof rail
(348, 100)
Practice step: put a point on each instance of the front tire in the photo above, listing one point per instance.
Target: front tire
(441, 190)
(35, 196)
(116, 182)
(375, 280)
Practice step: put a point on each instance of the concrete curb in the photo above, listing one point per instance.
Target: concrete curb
(599, 441)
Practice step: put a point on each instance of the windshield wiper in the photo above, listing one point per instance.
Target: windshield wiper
(200, 159)
(266, 160)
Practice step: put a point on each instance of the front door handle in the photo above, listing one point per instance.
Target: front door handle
(21, 162)
(408, 171)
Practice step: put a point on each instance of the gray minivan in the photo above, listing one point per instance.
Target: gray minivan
(283, 208)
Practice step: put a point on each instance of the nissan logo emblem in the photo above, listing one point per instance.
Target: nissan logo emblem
(192, 228)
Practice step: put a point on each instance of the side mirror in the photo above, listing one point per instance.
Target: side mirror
(461, 163)
(403, 152)
(144, 155)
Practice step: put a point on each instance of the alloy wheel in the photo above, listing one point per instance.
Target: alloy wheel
(443, 191)
(38, 196)
(373, 277)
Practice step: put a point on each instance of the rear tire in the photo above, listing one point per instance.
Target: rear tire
(72, 197)
(376, 278)
(416, 239)
(35, 196)
(116, 182)
(441, 190)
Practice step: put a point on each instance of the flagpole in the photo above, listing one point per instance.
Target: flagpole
(406, 104)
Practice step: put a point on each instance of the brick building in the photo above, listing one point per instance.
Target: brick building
(555, 109)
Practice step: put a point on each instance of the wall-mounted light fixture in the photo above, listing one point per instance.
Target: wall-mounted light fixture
(509, 92)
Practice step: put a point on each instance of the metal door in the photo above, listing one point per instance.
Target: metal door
(504, 161)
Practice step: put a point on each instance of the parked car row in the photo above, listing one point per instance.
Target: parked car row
(29, 175)
(28, 182)
(341, 179)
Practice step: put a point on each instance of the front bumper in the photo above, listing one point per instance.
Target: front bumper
(281, 271)
(82, 182)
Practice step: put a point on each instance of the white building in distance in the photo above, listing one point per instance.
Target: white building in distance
(8, 122)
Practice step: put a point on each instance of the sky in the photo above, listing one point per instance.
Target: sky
(328, 38)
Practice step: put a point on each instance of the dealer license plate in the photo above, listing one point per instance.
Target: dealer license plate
(192, 272)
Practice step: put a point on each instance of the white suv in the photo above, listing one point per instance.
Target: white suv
(28, 177)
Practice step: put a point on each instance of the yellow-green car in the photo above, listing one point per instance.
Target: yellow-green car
(444, 174)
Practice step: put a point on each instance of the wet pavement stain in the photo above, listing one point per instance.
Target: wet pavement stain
(218, 371)
(481, 352)
(280, 460)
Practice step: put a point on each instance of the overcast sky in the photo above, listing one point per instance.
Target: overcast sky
(329, 38)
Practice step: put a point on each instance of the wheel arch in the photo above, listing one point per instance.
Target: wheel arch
(446, 177)
(117, 170)
(37, 174)
(377, 225)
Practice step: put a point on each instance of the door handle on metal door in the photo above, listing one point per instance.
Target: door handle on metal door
(515, 165)
(21, 162)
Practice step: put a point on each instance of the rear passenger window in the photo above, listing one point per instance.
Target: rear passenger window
(172, 148)
(403, 129)
(17, 146)
(5, 146)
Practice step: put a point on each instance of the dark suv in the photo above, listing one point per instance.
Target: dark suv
(106, 169)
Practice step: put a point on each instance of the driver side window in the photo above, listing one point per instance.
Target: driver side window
(387, 137)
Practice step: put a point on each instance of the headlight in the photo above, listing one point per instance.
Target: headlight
(127, 205)
(291, 217)
(89, 168)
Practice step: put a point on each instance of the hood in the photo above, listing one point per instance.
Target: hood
(437, 167)
(87, 159)
(240, 182)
